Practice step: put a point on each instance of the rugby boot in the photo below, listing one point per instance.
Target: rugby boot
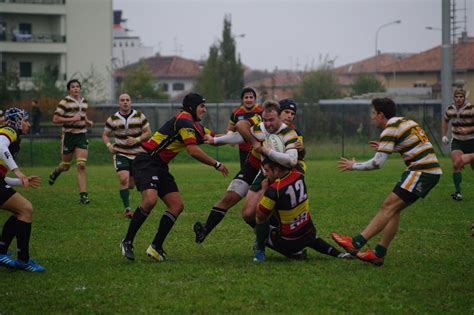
(29, 266)
(127, 250)
(157, 254)
(345, 242)
(370, 257)
(200, 232)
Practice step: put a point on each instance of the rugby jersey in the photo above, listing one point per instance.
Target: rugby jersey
(301, 154)
(460, 117)
(68, 107)
(14, 146)
(124, 127)
(2, 118)
(288, 135)
(287, 198)
(406, 137)
(175, 135)
(242, 113)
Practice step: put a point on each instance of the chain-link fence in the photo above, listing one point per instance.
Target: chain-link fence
(331, 128)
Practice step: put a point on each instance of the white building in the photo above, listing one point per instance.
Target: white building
(127, 49)
(71, 36)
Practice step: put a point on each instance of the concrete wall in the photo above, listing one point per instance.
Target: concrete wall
(89, 44)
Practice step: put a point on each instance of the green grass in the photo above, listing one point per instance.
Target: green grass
(428, 268)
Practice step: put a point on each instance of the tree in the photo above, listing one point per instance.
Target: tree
(222, 77)
(9, 86)
(319, 84)
(366, 83)
(208, 82)
(139, 83)
(45, 83)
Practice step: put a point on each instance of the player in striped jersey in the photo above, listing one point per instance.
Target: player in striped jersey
(286, 199)
(19, 224)
(152, 176)
(130, 128)
(2, 118)
(245, 111)
(71, 113)
(422, 174)
(461, 116)
(239, 186)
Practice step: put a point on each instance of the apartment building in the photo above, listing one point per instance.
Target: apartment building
(73, 37)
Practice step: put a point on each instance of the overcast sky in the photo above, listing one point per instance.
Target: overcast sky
(290, 34)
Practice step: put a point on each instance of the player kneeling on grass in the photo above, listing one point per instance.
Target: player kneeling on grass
(286, 199)
(19, 224)
(422, 174)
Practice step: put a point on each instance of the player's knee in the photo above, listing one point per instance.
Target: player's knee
(81, 164)
(64, 166)
(149, 203)
(176, 208)
(229, 200)
(26, 212)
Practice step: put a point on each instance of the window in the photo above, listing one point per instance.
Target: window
(25, 69)
(131, 44)
(126, 44)
(115, 44)
(164, 86)
(120, 44)
(178, 87)
(4, 68)
(24, 28)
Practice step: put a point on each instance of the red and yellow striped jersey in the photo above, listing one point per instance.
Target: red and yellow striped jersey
(14, 146)
(242, 113)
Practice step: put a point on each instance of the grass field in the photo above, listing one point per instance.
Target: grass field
(429, 268)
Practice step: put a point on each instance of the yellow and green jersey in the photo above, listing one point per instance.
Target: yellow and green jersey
(460, 117)
(67, 108)
(123, 127)
(409, 139)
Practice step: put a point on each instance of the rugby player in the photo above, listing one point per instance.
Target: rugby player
(422, 174)
(286, 200)
(71, 113)
(152, 176)
(18, 224)
(461, 116)
(130, 128)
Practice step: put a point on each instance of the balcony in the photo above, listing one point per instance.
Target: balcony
(32, 38)
(35, 1)
(33, 43)
(48, 7)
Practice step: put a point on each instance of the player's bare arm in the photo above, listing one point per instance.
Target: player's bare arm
(195, 151)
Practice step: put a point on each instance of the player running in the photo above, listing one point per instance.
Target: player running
(152, 176)
(422, 174)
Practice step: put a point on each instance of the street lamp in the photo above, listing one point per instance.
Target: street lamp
(431, 28)
(377, 37)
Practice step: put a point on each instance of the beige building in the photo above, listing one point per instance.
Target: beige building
(72, 37)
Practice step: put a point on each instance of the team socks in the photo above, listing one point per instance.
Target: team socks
(137, 220)
(380, 251)
(8, 233)
(215, 217)
(23, 233)
(261, 231)
(358, 241)
(323, 247)
(166, 224)
(457, 179)
(125, 196)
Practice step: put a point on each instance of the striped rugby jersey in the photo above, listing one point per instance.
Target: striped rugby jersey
(406, 137)
(241, 113)
(288, 197)
(2, 118)
(124, 127)
(67, 108)
(175, 135)
(14, 146)
(460, 117)
(288, 135)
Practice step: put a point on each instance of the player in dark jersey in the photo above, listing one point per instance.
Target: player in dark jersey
(152, 176)
(245, 111)
(286, 199)
(19, 224)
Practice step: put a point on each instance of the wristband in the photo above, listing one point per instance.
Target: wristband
(217, 165)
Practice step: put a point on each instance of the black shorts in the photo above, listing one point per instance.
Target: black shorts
(464, 146)
(6, 191)
(243, 155)
(247, 174)
(291, 246)
(152, 173)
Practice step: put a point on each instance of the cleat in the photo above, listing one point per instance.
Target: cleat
(84, 200)
(200, 231)
(29, 266)
(6, 260)
(128, 213)
(345, 256)
(52, 178)
(127, 250)
(259, 256)
(157, 254)
(345, 242)
(370, 257)
(456, 196)
(301, 255)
